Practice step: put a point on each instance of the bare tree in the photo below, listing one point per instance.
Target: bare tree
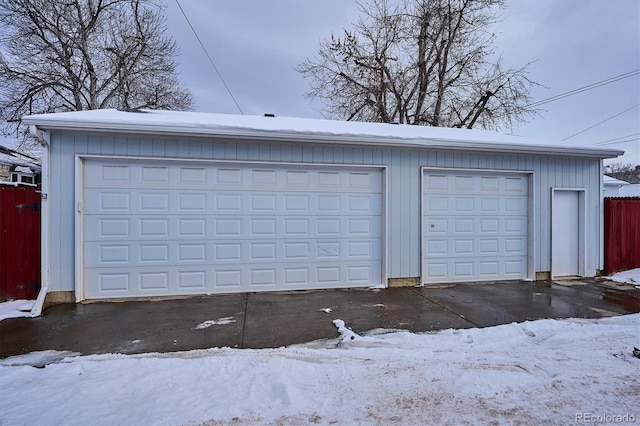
(422, 62)
(619, 167)
(70, 55)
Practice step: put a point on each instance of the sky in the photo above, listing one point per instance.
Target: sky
(256, 46)
(552, 372)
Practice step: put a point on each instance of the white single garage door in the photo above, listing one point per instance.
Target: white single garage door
(173, 228)
(474, 226)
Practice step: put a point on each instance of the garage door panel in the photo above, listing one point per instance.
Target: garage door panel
(463, 205)
(173, 228)
(489, 184)
(489, 205)
(515, 224)
(475, 226)
(295, 178)
(107, 201)
(154, 281)
(134, 254)
(140, 201)
(515, 246)
(478, 247)
(489, 246)
(474, 269)
(242, 277)
(159, 227)
(515, 205)
(150, 253)
(140, 254)
(260, 227)
(464, 183)
(516, 184)
(437, 204)
(296, 227)
(435, 226)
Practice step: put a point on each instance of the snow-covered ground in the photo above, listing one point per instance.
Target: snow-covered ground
(631, 276)
(540, 372)
(547, 371)
(15, 309)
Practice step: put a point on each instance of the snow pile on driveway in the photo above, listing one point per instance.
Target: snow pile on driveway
(631, 276)
(547, 371)
(15, 309)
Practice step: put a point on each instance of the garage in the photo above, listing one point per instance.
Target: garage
(173, 203)
(161, 228)
(475, 226)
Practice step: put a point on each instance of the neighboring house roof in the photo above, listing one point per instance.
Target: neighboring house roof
(11, 157)
(304, 130)
(629, 176)
(610, 181)
(14, 161)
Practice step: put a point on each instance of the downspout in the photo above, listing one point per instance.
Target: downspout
(44, 138)
(601, 219)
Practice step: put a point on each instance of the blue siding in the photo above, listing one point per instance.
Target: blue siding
(403, 192)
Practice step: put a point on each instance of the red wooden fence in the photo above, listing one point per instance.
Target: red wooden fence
(19, 242)
(621, 233)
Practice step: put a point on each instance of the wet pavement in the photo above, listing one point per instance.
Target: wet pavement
(266, 320)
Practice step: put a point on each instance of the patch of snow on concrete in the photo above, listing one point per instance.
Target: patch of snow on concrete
(38, 359)
(631, 276)
(346, 335)
(219, 321)
(16, 309)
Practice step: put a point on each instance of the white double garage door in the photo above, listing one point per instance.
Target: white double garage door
(174, 228)
(151, 228)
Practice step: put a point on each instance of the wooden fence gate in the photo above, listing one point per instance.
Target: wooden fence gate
(621, 233)
(19, 242)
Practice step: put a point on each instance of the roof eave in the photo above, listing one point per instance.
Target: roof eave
(349, 139)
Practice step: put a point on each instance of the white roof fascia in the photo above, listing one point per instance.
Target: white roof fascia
(65, 121)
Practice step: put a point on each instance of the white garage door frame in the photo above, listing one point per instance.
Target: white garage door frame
(79, 189)
(531, 208)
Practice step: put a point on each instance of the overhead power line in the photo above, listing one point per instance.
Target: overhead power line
(618, 142)
(613, 141)
(209, 56)
(603, 121)
(585, 88)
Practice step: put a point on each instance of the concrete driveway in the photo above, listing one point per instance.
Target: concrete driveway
(265, 320)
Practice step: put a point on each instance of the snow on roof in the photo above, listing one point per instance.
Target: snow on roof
(14, 161)
(303, 130)
(23, 169)
(608, 180)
